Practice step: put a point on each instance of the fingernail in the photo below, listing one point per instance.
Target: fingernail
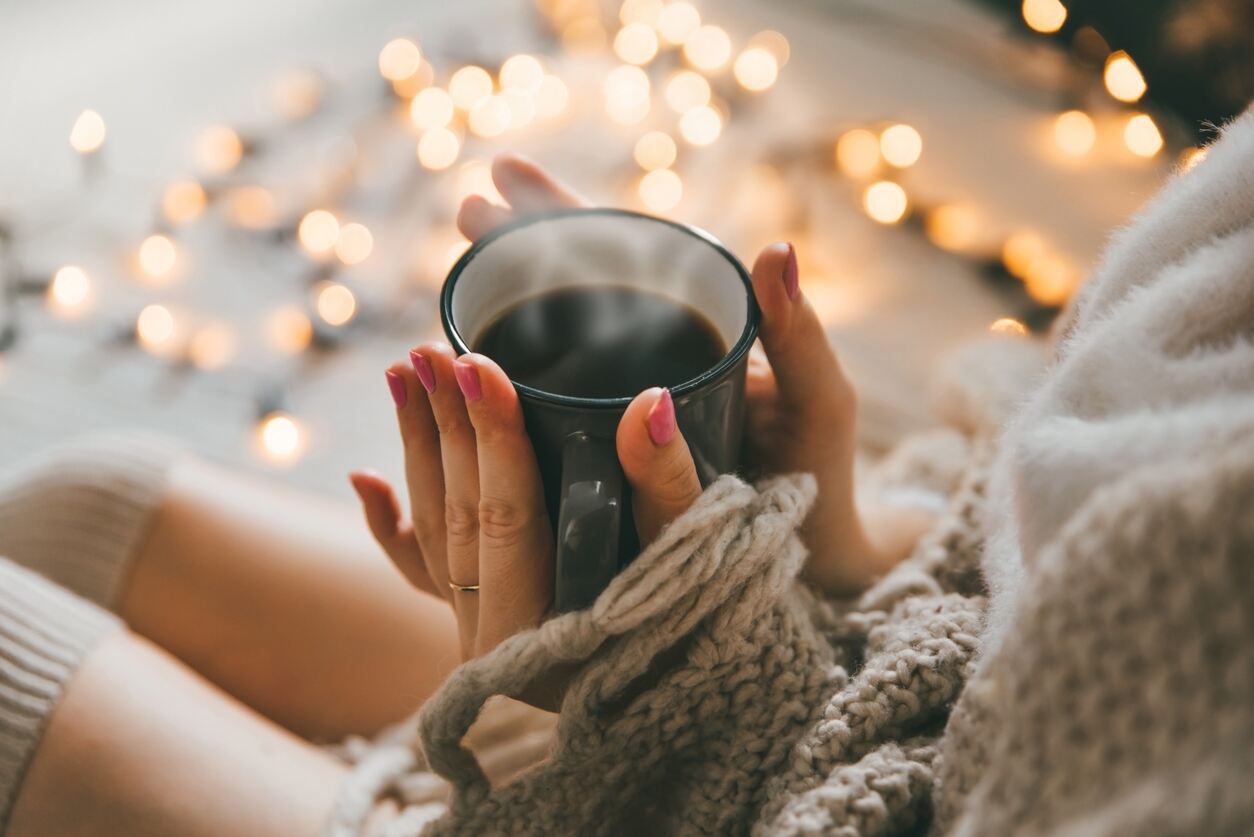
(468, 379)
(397, 384)
(422, 367)
(661, 420)
(791, 281)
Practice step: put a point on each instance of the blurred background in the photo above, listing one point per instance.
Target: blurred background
(223, 220)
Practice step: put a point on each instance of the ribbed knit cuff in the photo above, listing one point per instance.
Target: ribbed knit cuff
(78, 513)
(45, 632)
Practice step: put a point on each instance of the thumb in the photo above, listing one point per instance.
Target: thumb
(656, 461)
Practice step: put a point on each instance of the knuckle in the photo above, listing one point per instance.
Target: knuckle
(461, 522)
(502, 522)
(448, 425)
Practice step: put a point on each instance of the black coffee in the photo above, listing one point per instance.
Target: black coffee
(601, 341)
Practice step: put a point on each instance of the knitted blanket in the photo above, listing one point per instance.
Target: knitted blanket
(1070, 650)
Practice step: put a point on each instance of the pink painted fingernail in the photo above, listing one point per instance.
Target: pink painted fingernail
(422, 367)
(397, 384)
(791, 281)
(468, 379)
(661, 420)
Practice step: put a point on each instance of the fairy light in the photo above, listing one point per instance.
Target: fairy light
(334, 303)
(69, 292)
(901, 145)
(431, 108)
(1142, 136)
(661, 190)
(1021, 251)
(709, 48)
(1044, 16)
(636, 43)
(552, 97)
(1049, 280)
(626, 91)
(1123, 78)
(643, 12)
(219, 149)
(212, 346)
(1008, 327)
(157, 258)
(1190, 157)
(469, 86)
(318, 232)
(491, 117)
(438, 149)
(858, 153)
(288, 329)
(1074, 133)
(88, 133)
(655, 150)
(522, 72)
(756, 69)
(475, 178)
(298, 93)
(399, 59)
(354, 243)
(155, 329)
(251, 207)
(686, 90)
(953, 227)
(280, 438)
(410, 86)
(701, 125)
(775, 43)
(885, 202)
(183, 201)
(678, 21)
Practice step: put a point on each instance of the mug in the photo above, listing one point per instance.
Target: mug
(585, 492)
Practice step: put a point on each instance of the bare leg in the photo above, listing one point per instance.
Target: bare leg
(286, 603)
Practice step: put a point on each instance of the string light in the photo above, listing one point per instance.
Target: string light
(475, 178)
(157, 258)
(636, 43)
(552, 97)
(626, 91)
(1008, 327)
(522, 72)
(701, 125)
(469, 86)
(280, 438)
(655, 150)
(438, 149)
(885, 202)
(901, 145)
(858, 153)
(1074, 133)
(491, 117)
(399, 59)
(251, 207)
(69, 292)
(1142, 136)
(1190, 157)
(431, 108)
(1044, 16)
(155, 329)
(318, 231)
(212, 346)
(1123, 78)
(709, 48)
(334, 303)
(643, 12)
(183, 201)
(1050, 280)
(686, 90)
(354, 244)
(953, 227)
(1021, 251)
(88, 133)
(661, 190)
(219, 149)
(298, 93)
(678, 21)
(289, 330)
(756, 69)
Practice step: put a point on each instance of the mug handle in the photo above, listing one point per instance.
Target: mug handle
(588, 520)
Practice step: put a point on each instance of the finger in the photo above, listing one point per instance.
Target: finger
(656, 461)
(515, 538)
(478, 215)
(529, 188)
(424, 471)
(760, 384)
(383, 516)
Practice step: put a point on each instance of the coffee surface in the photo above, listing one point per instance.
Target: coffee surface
(601, 341)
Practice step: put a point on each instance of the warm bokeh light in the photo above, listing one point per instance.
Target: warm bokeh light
(157, 257)
(399, 59)
(1009, 327)
(438, 149)
(522, 108)
(1022, 250)
(411, 86)
(626, 91)
(69, 292)
(901, 145)
(885, 202)
(88, 133)
(491, 117)
(756, 69)
(354, 244)
(1190, 157)
(318, 232)
(251, 207)
(219, 149)
(155, 328)
(469, 86)
(678, 21)
(212, 345)
(334, 303)
(1050, 280)
(289, 330)
(1123, 78)
(709, 48)
(475, 178)
(1074, 133)
(584, 34)
(183, 201)
(1045, 16)
(701, 125)
(655, 150)
(298, 93)
(686, 90)
(636, 43)
(954, 227)
(858, 153)
(431, 108)
(1142, 136)
(522, 72)
(661, 190)
(645, 12)
(775, 43)
(280, 438)
(552, 97)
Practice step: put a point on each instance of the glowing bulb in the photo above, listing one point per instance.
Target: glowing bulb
(643, 12)
(901, 145)
(756, 69)
(469, 86)
(438, 149)
(354, 243)
(701, 125)
(1045, 16)
(636, 43)
(661, 190)
(522, 72)
(69, 291)
(1142, 136)
(1190, 157)
(1123, 78)
(280, 437)
(219, 149)
(953, 227)
(411, 86)
(251, 207)
(289, 329)
(318, 232)
(655, 150)
(1021, 251)
(687, 90)
(1074, 133)
(431, 108)
(1008, 326)
(858, 153)
(678, 21)
(399, 59)
(626, 91)
(183, 201)
(709, 48)
(157, 257)
(212, 346)
(885, 202)
(491, 117)
(154, 328)
(552, 97)
(334, 303)
(88, 133)
(475, 178)
(1050, 280)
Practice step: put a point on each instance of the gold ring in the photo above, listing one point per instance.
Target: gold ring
(464, 588)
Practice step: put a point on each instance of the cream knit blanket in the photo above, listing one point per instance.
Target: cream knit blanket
(1108, 688)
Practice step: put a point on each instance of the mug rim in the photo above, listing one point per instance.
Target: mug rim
(729, 360)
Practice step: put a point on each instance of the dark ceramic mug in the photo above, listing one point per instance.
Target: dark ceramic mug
(585, 492)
